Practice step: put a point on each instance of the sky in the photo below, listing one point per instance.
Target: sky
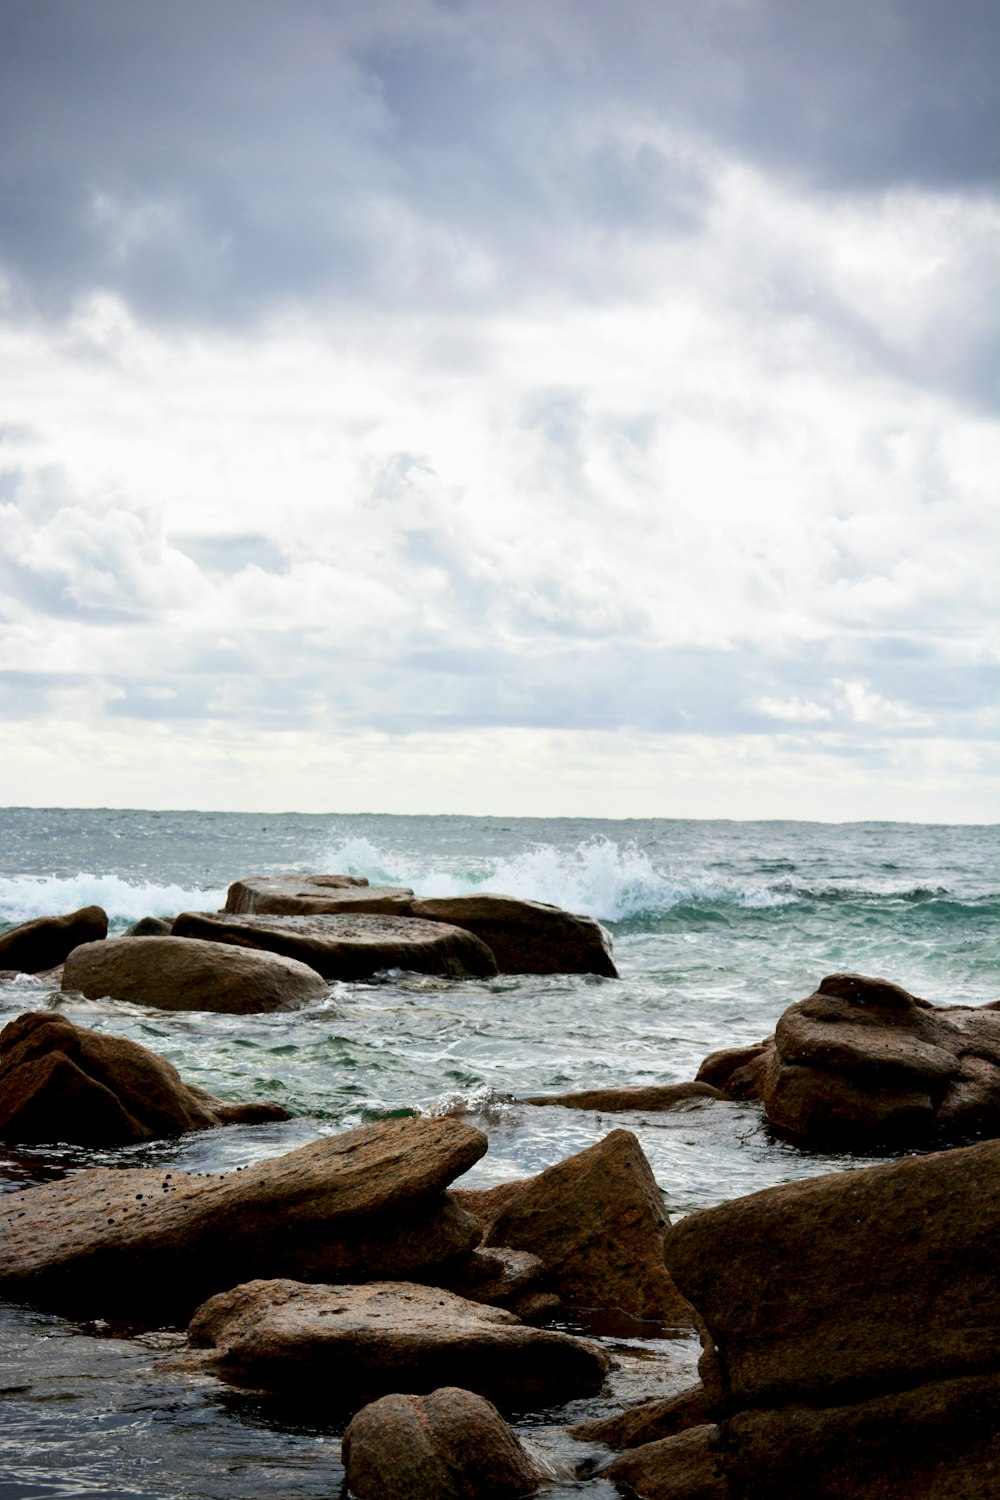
(540, 408)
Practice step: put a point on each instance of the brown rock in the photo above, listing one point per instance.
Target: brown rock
(61, 1082)
(619, 1101)
(450, 1445)
(306, 895)
(526, 937)
(685, 1467)
(44, 943)
(349, 947)
(281, 1335)
(174, 973)
(598, 1223)
(650, 1421)
(861, 1064)
(849, 1284)
(151, 1244)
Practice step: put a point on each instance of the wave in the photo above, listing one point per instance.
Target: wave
(23, 897)
(599, 878)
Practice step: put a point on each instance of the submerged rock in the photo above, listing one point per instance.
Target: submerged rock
(33, 947)
(175, 973)
(151, 1244)
(526, 937)
(283, 1335)
(861, 1064)
(647, 1097)
(449, 1445)
(61, 1082)
(598, 1223)
(350, 947)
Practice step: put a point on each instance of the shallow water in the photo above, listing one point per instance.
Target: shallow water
(717, 927)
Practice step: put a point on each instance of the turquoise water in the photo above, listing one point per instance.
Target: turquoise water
(716, 926)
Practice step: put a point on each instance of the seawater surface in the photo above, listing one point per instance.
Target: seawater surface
(717, 927)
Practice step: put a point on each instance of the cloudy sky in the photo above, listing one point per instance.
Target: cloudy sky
(548, 407)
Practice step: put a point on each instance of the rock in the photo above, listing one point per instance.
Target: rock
(307, 895)
(861, 1064)
(650, 1098)
(685, 1467)
(851, 1326)
(598, 1223)
(152, 1245)
(44, 943)
(526, 937)
(61, 1082)
(277, 1335)
(150, 927)
(449, 1445)
(176, 973)
(349, 947)
(499, 1276)
(650, 1421)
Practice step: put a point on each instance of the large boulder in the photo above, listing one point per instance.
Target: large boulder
(43, 944)
(862, 1064)
(370, 1203)
(175, 973)
(851, 1327)
(308, 895)
(285, 1336)
(449, 1445)
(61, 1082)
(349, 947)
(598, 1223)
(525, 937)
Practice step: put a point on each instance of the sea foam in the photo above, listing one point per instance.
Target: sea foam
(23, 897)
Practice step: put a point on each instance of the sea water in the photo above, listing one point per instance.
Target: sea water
(717, 927)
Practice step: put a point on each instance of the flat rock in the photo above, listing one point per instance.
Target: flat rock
(526, 937)
(349, 947)
(598, 1223)
(307, 895)
(61, 1082)
(152, 1244)
(449, 1445)
(652, 1098)
(283, 1335)
(174, 973)
(44, 943)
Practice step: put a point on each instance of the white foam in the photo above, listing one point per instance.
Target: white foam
(599, 878)
(23, 897)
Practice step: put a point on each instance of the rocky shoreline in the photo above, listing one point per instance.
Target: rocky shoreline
(849, 1323)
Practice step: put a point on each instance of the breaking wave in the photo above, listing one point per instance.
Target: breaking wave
(23, 897)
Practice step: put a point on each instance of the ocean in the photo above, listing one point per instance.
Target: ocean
(717, 927)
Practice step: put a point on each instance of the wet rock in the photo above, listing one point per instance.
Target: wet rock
(449, 1445)
(685, 1467)
(307, 895)
(349, 947)
(598, 1223)
(282, 1335)
(174, 973)
(862, 1064)
(851, 1327)
(148, 1244)
(43, 944)
(650, 1098)
(526, 937)
(61, 1082)
(650, 1421)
